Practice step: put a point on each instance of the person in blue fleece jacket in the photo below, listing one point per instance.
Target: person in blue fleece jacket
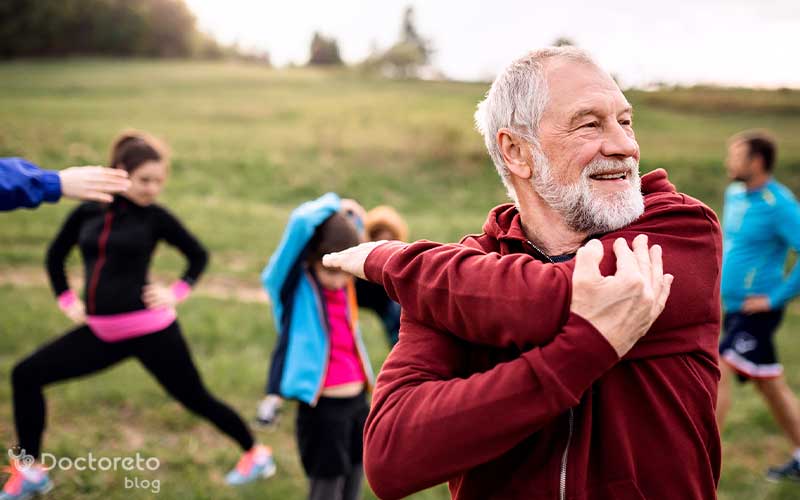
(23, 184)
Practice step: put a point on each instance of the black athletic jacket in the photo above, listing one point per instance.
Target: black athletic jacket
(116, 243)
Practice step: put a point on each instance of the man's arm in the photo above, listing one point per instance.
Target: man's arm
(432, 424)
(23, 184)
(515, 300)
(789, 231)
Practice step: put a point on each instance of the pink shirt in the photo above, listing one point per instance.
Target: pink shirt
(344, 364)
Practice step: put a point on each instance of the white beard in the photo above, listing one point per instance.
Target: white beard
(583, 210)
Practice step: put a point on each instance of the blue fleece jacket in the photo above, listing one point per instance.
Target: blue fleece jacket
(23, 184)
(301, 354)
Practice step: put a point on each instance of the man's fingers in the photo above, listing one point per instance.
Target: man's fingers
(110, 185)
(666, 287)
(626, 260)
(656, 270)
(587, 261)
(642, 254)
(98, 196)
(656, 262)
(332, 260)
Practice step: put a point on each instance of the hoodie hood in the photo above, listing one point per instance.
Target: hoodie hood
(504, 221)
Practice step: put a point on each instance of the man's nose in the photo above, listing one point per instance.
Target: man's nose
(619, 142)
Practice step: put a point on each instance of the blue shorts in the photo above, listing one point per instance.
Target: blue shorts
(747, 344)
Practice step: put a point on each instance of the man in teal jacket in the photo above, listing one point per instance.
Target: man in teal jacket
(761, 223)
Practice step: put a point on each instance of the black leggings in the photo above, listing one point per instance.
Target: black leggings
(79, 352)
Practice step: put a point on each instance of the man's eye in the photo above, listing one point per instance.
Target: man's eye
(625, 122)
(591, 125)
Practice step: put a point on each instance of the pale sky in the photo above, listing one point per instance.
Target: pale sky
(729, 42)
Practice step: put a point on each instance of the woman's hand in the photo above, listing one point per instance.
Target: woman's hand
(76, 312)
(156, 296)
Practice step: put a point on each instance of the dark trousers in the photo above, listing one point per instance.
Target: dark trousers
(330, 440)
(79, 352)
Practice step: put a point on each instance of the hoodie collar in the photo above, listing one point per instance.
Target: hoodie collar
(504, 221)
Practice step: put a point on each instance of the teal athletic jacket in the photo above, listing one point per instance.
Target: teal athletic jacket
(759, 227)
(300, 358)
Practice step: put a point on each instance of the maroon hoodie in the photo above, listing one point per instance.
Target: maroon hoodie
(497, 388)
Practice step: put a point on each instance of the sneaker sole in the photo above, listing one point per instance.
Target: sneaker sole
(269, 472)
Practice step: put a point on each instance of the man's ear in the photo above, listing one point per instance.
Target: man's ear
(515, 152)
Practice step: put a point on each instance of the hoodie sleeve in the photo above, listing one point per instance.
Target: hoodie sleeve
(23, 184)
(433, 421)
(515, 300)
(303, 221)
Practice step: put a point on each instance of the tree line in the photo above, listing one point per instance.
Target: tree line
(148, 28)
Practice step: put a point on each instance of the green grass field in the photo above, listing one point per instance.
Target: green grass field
(249, 144)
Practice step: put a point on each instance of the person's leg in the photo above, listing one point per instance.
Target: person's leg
(166, 356)
(724, 394)
(353, 482)
(78, 352)
(326, 488)
(323, 440)
(359, 410)
(783, 404)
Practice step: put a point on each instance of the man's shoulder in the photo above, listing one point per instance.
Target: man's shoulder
(480, 241)
(779, 194)
(676, 211)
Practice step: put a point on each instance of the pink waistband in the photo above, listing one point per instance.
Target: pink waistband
(118, 327)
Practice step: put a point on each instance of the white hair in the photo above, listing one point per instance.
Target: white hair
(517, 99)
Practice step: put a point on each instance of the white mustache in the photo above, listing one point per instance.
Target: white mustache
(605, 166)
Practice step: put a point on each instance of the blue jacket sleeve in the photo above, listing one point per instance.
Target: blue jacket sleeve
(789, 231)
(23, 184)
(301, 226)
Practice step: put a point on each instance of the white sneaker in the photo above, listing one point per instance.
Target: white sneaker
(268, 410)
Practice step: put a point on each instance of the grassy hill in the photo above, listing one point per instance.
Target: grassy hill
(250, 143)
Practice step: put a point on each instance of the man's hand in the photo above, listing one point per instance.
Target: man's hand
(624, 306)
(156, 296)
(76, 312)
(93, 183)
(756, 304)
(351, 260)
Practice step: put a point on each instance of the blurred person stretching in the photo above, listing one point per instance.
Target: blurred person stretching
(760, 224)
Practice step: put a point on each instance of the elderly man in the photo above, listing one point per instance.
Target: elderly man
(516, 375)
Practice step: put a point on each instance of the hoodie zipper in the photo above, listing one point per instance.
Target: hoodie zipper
(102, 241)
(562, 479)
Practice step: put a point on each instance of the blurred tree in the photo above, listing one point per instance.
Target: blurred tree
(405, 58)
(324, 51)
(155, 28)
(563, 41)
